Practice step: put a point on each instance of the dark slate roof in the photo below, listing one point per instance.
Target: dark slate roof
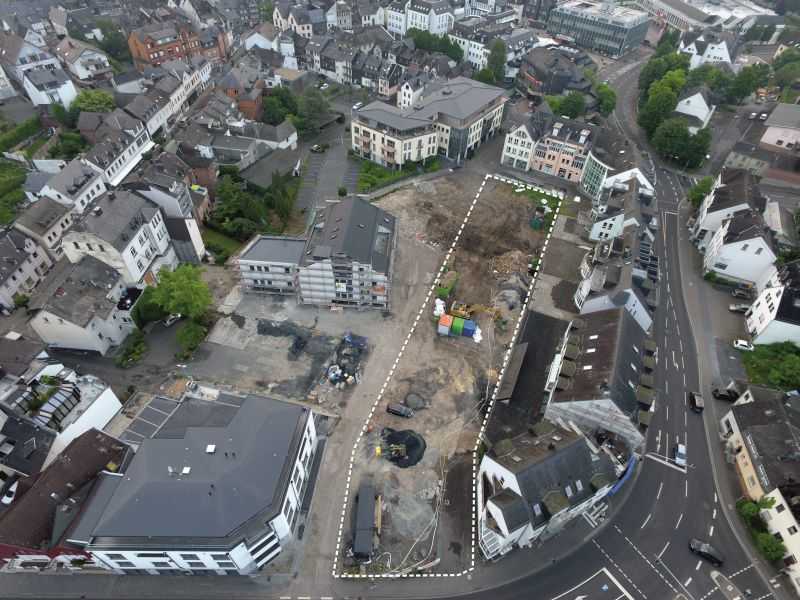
(737, 186)
(516, 511)
(44, 79)
(269, 248)
(16, 355)
(28, 522)
(354, 228)
(747, 225)
(12, 252)
(41, 215)
(35, 181)
(73, 179)
(32, 444)
(255, 439)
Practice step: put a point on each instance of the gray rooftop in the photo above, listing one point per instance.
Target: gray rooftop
(116, 216)
(73, 179)
(77, 292)
(356, 229)
(270, 248)
(244, 479)
(785, 115)
(40, 216)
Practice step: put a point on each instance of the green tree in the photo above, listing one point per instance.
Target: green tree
(114, 43)
(697, 149)
(700, 75)
(658, 108)
(573, 105)
(747, 81)
(189, 336)
(671, 138)
(312, 107)
(496, 62)
(775, 365)
(789, 55)
(265, 10)
(183, 291)
(286, 98)
(606, 99)
(279, 198)
(668, 42)
(434, 43)
(787, 74)
(93, 101)
(274, 112)
(700, 190)
(484, 76)
(770, 547)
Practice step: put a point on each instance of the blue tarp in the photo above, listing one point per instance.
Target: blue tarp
(625, 476)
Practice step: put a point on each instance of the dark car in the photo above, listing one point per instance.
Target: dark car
(725, 394)
(706, 551)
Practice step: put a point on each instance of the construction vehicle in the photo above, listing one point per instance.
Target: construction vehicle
(461, 309)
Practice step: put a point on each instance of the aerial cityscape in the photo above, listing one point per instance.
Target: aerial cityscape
(402, 299)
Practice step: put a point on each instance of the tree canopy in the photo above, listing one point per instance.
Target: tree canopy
(312, 106)
(496, 62)
(606, 99)
(435, 43)
(572, 105)
(279, 105)
(183, 291)
(672, 140)
(700, 190)
(93, 101)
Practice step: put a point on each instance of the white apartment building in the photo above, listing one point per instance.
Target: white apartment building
(46, 222)
(19, 56)
(742, 250)
(127, 232)
(774, 317)
(82, 60)
(433, 16)
(734, 191)
(83, 307)
(270, 264)
(783, 128)
(122, 140)
(23, 264)
(708, 48)
(75, 186)
(396, 21)
(216, 500)
(451, 118)
(49, 86)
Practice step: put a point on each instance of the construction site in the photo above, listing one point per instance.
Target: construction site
(414, 463)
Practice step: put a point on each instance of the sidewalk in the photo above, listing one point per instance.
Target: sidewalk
(699, 298)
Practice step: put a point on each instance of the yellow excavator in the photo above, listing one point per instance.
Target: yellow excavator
(465, 311)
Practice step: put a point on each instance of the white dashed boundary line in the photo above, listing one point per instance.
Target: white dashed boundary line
(334, 570)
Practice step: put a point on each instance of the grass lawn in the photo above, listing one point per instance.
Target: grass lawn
(219, 244)
(373, 176)
(774, 365)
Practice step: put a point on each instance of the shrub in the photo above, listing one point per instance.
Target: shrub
(189, 336)
(343, 191)
(132, 352)
(21, 300)
(20, 133)
(146, 310)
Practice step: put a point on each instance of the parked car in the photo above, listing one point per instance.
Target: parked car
(706, 551)
(8, 497)
(752, 116)
(739, 308)
(743, 345)
(679, 455)
(324, 86)
(317, 149)
(172, 319)
(401, 410)
(764, 116)
(725, 394)
(357, 105)
(740, 293)
(695, 401)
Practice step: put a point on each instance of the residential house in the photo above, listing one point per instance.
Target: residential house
(346, 259)
(611, 30)
(6, 88)
(774, 317)
(532, 485)
(434, 16)
(264, 36)
(783, 128)
(18, 56)
(304, 20)
(49, 86)
(388, 78)
(33, 530)
(734, 191)
(127, 232)
(761, 439)
(84, 306)
(396, 18)
(24, 446)
(560, 151)
(23, 264)
(80, 20)
(742, 250)
(82, 60)
(75, 186)
(707, 47)
(245, 86)
(695, 107)
(45, 221)
(545, 71)
(339, 16)
(781, 221)
(240, 437)
(160, 42)
(121, 142)
(368, 13)
(452, 118)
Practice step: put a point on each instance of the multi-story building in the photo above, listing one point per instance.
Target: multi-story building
(734, 191)
(560, 151)
(607, 28)
(157, 43)
(742, 250)
(125, 231)
(82, 60)
(346, 259)
(434, 16)
(221, 499)
(452, 118)
(18, 56)
(306, 20)
(49, 86)
(121, 142)
(783, 128)
(550, 71)
(23, 264)
(85, 306)
(709, 48)
(46, 222)
(677, 14)
(75, 186)
(774, 317)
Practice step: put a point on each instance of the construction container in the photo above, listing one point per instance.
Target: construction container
(469, 328)
(457, 328)
(445, 323)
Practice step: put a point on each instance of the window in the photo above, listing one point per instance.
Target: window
(189, 556)
(792, 530)
(226, 564)
(219, 557)
(77, 245)
(101, 247)
(252, 268)
(759, 251)
(124, 564)
(780, 508)
(115, 556)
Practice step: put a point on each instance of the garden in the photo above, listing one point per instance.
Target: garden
(373, 176)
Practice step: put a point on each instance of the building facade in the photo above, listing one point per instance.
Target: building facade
(23, 264)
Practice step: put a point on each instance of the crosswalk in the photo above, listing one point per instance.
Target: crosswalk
(596, 514)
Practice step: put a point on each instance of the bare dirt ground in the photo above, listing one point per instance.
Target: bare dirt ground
(446, 380)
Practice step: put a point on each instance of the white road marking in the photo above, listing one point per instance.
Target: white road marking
(667, 407)
(680, 518)
(645, 521)
(714, 514)
(664, 549)
(661, 487)
(711, 531)
(664, 461)
(688, 581)
(687, 488)
(685, 419)
(699, 564)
